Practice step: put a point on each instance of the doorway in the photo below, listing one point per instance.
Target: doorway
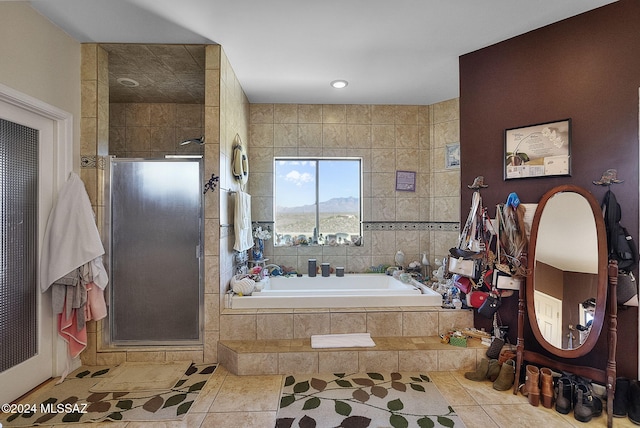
(35, 162)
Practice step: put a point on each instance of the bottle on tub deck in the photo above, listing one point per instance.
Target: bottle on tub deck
(325, 269)
(311, 268)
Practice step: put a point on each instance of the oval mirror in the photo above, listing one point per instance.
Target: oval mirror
(566, 288)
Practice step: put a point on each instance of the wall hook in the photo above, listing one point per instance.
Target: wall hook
(609, 177)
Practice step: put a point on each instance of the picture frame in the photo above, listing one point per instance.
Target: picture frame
(540, 150)
(452, 156)
(406, 181)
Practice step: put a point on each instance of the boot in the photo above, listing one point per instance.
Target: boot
(506, 377)
(621, 398)
(584, 409)
(564, 395)
(532, 385)
(588, 394)
(546, 387)
(494, 370)
(634, 402)
(481, 371)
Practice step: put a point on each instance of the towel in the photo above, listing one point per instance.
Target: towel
(352, 340)
(71, 237)
(242, 222)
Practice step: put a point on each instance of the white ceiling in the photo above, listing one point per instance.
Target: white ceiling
(288, 51)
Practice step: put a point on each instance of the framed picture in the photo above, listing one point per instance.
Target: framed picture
(452, 156)
(406, 181)
(540, 150)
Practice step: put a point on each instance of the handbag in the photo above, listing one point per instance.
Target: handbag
(471, 268)
(464, 284)
(504, 281)
(490, 306)
(475, 299)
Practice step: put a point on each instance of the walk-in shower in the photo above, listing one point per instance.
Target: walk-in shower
(155, 223)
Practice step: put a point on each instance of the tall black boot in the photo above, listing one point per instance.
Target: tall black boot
(621, 398)
(634, 402)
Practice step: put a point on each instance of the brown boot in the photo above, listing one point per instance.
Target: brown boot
(481, 371)
(546, 387)
(494, 370)
(531, 385)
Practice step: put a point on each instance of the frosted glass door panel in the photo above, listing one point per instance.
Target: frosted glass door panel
(156, 221)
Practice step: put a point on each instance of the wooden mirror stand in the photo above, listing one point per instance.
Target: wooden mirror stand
(606, 315)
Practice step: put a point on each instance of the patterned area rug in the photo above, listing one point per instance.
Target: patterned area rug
(363, 400)
(71, 401)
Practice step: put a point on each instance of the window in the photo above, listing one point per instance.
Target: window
(317, 201)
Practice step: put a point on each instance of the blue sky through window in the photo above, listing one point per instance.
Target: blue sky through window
(296, 181)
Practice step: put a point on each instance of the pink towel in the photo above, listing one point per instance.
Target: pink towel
(68, 330)
(96, 307)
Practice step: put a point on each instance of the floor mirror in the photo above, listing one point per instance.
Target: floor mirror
(570, 292)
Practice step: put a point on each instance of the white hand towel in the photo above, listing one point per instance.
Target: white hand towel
(348, 340)
(242, 222)
(71, 237)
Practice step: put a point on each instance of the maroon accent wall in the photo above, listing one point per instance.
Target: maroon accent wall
(586, 68)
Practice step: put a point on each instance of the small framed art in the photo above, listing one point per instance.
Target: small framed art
(406, 181)
(452, 156)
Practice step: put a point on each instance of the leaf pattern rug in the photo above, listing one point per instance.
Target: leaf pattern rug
(363, 400)
(71, 401)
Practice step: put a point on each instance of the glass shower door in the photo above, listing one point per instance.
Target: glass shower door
(155, 252)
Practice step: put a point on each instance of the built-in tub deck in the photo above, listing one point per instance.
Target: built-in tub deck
(349, 291)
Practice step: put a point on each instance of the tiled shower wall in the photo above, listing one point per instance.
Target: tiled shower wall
(388, 138)
(153, 130)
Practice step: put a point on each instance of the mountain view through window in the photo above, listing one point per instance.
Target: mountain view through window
(317, 201)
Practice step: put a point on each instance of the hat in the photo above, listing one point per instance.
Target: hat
(478, 183)
(610, 176)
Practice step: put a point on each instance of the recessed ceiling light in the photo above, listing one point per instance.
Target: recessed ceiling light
(339, 84)
(129, 83)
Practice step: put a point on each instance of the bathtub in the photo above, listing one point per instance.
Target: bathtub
(352, 290)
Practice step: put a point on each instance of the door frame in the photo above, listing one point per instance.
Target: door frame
(62, 167)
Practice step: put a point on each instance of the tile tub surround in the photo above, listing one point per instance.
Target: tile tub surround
(285, 324)
(424, 353)
(266, 341)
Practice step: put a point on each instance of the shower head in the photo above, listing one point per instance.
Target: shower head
(199, 141)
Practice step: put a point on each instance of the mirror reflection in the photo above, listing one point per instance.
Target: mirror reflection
(566, 270)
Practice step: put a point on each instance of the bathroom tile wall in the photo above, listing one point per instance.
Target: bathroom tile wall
(94, 143)
(230, 120)
(388, 138)
(153, 130)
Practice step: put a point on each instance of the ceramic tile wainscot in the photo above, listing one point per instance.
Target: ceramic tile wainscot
(277, 341)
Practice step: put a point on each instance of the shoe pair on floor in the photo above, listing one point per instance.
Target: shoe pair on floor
(538, 383)
(502, 375)
(626, 400)
(575, 392)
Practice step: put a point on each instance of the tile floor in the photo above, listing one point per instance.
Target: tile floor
(230, 401)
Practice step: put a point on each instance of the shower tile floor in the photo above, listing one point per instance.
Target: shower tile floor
(230, 401)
